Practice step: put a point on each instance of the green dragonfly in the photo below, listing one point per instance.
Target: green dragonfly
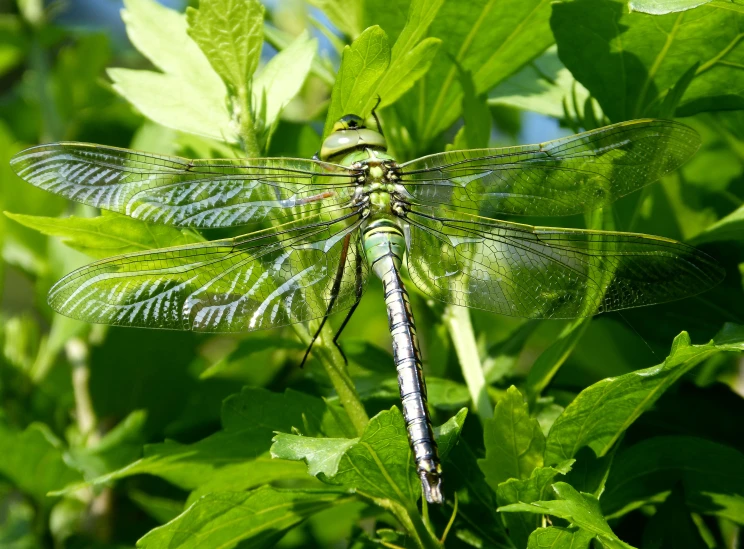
(352, 209)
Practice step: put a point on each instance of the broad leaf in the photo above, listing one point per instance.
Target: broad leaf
(513, 440)
(628, 61)
(236, 457)
(109, 234)
(601, 413)
(672, 526)
(188, 95)
(711, 474)
(33, 461)
(283, 76)
(579, 509)
(730, 227)
(535, 488)
(554, 537)
(260, 517)
(230, 33)
(661, 7)
(378, 465)
(492, 40)
(363, 63)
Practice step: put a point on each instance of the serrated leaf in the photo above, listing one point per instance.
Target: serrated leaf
(535, 488)
(602, 412)
(378, 465)
(188, 95)
(230, 33)
(579, 509)
(627, 61)
(711, 474)
(283, 76)
(260, 517)
(513, 440)
(362, 64)
(554, 537)
(33, 461)
(108, 234)
(448, 433)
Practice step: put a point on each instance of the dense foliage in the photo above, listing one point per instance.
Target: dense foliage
(622, 430)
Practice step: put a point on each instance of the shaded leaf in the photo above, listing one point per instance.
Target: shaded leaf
(261, 516)
(628, 61)
(535, 488)
(108, 234)
(672, 526)
(602, 412)
(33, 461)
(513, 440)
(711, 474)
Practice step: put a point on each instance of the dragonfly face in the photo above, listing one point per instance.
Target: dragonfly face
(329, 221)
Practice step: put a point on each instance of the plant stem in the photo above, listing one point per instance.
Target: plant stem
(335, 368)
(457, 320)
(414, 525)
(247, 130)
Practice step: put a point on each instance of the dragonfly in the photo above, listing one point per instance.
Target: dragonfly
(330, 220)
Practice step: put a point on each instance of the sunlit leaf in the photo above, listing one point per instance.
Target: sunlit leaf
(554, 537)
(109, 234)
(581, 510)
(260, 517)
(602, 412)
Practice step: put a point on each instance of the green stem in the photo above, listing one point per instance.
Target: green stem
(333, 364)
(247, 131)
(457, 320)
(414, 525)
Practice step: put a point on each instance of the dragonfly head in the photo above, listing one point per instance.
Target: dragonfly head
(351, 133)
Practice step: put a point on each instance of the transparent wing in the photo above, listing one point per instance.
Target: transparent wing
(247, 283)
(543, 272)
(182, 192)
(562, 177)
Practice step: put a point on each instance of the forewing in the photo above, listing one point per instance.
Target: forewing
(562, 177)
(234, 285)
(543, 272)
(186, 193)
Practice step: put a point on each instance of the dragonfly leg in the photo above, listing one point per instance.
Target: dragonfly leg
(359, 289)
(334, 295)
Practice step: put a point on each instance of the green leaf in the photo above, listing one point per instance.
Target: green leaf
(322, 455)
(535, 488)
(17, 526)
(412, 53)
(283, 76)
(108, 234)
(476, 114)
(602, 412)
(161, 509)
(544, 86)
(711, 474)
(492, 40)
(730, 227)
(661, 7)
(672, 526)
(552, 358)
(363, 63)
(513, 440)
(378, 465)
(260, 517)
(230, 33)
(628, 61)
(236, 457)
(448, 434)
(33, 461)
(589, 473)
(581, 510)
(188, 95)
(554, 537)
(346, 15)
